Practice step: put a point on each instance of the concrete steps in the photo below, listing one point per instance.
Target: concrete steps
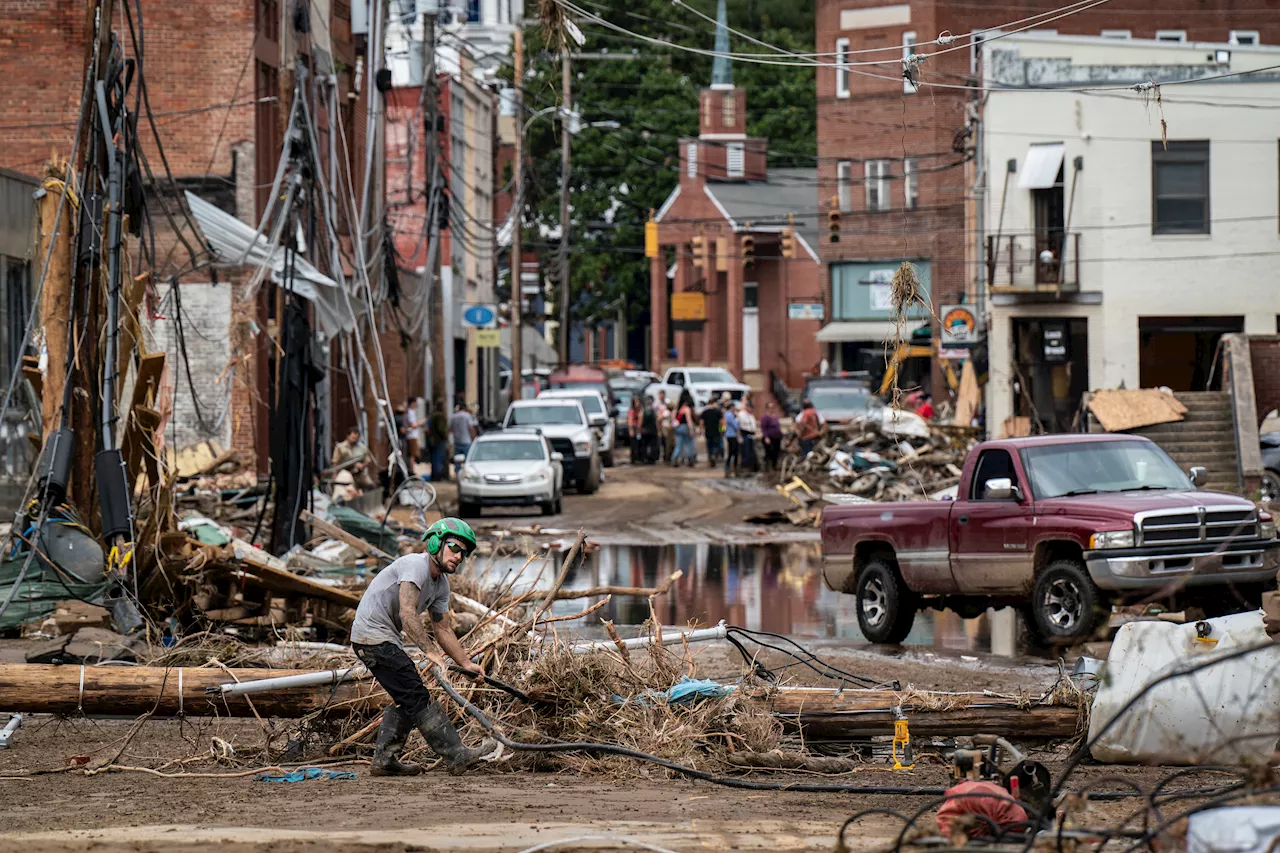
(1204, 437)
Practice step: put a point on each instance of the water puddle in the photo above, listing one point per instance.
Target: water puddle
(777, 588)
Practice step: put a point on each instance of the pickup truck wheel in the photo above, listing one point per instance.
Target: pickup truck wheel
(1065, 602)
(886, 608)
(607, 459)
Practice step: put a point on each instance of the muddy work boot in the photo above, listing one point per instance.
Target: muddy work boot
(391, 736)
(443, 739)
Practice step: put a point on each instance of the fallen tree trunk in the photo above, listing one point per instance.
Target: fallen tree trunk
(129, 691)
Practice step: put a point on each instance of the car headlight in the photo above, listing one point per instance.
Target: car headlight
(582, 448)
(1111, 539)
(536, 477)
(470, 475)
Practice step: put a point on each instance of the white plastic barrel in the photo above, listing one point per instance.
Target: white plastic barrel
(1237, 829)
(1223, 714)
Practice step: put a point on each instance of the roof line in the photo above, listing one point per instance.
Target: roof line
(720, 207)
(666, 205)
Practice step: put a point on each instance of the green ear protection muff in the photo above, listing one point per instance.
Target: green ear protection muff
(454, 527)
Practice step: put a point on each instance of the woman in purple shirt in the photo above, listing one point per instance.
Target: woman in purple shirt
(771, 434)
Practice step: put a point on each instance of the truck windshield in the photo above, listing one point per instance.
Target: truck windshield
(545, 416)
(834, 398)
(699, 377)
(1056, 470)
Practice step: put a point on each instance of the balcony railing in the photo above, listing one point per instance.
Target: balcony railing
(1034, 263)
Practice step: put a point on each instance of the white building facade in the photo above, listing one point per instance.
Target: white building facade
(1118, 251)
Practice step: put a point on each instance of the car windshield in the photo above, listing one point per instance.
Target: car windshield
(519, 450)
(549, 415)
(623, 396)
(1058, 470)
(699, 376)
(836, 399)
(591, 403)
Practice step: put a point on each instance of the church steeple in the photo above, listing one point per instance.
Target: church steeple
(722, 66)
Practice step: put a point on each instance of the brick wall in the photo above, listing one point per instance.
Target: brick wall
(1264, 354)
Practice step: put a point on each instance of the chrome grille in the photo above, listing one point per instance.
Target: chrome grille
(1202, 524)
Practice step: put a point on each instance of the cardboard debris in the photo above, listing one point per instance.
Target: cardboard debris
(196, 459)
(1015, 427)
(1121, 410)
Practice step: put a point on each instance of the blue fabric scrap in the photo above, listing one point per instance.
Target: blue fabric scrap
(302, 774)
(685, 691)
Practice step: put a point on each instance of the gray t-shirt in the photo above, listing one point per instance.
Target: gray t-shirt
(378, 616)
(460, 424)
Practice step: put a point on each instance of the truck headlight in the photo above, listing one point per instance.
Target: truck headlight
(1111, 539)
(470, 475)
(582, 448)
(536, 477)
(1266, 526)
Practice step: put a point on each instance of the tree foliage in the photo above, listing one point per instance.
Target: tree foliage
(618, 175)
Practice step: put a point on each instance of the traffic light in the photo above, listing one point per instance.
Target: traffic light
(748, 250)
(700, 252)
(833, 220)
(789, 237)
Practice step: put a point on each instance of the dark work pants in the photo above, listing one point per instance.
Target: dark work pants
(731, 457)
(398, 676)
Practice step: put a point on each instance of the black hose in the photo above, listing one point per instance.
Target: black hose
(612, 749)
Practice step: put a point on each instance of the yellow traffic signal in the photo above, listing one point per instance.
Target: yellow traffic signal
(748, 250)
(700, 252)
(651, 239)
(833, 220)
(789, 237)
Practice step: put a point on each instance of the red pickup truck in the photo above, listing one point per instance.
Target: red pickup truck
(1058, 526)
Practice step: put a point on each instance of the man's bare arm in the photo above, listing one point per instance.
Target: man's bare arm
(449, 642)
(412, 620)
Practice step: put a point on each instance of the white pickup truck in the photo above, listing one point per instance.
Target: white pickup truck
(702, 383)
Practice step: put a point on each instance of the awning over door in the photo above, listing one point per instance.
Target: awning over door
(865, 330)
(1041, 165)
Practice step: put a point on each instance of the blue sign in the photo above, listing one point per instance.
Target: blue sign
(805, 311)
(479, 315)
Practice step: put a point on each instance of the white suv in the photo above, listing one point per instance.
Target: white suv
(566, 426)
(510, 468)
(602, 420)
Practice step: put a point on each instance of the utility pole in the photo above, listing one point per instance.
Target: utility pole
(433, 172)
(516, 264)
(566, 106)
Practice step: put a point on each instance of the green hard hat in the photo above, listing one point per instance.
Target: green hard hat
(447, 527)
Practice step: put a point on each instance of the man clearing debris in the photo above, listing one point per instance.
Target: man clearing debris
(395, 601)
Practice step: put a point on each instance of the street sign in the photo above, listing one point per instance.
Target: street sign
(488, 337)
(479, 315)
(688, 306)
(805, 311)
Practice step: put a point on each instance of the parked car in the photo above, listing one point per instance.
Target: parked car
(515, 467)
(565, 425)
(582, 376)
(1059, 526)
(603, 422)
(841, 399)
(1270, 466)
(702, 383)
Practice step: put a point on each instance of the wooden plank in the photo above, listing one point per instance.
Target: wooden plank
(336, 532)
(1120, 410)
(274, 574)
(129, 691)
(1041, 723)
(147, 385)
(970, 397)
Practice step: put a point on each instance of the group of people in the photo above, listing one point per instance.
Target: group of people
(667, 432)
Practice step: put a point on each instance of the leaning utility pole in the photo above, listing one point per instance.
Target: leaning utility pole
(566, 107)
(434, 213)
(516, 264)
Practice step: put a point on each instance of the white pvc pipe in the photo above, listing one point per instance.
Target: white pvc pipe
(701, 635)
(285, 682)
(6, 734)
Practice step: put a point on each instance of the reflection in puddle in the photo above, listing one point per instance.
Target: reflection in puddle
(777, 588)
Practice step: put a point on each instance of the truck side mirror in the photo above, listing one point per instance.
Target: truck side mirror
(1000, 489)
(1198, 474)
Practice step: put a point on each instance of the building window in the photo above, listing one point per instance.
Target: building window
(1179, 36)
(691, 159)
(908, 48)
(1117, 34)
(733, 160)
(1180, 188)
(844, 185)
(1245, 37)
(729, 109)
(911, 183)
(842, 68)
(877, 174)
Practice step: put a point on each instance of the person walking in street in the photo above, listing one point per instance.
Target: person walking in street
(438, 441)
(415, 452)
(462, 429)
(666, 427)
(731, 436)
(747, 430)
(394, 603)
(771, 436)
(808, 427)
(649, 433)
(712, 423)
(686, 450)
(635, 423)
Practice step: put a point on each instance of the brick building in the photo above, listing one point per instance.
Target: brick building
(761, 303)
(896, 159)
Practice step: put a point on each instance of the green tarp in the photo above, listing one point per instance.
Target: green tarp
(41, 590)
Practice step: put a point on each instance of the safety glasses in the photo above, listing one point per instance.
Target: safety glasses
(457, 547)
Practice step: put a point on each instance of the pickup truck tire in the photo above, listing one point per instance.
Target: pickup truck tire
(886, 608)
(1065, 603)
(606, 459)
